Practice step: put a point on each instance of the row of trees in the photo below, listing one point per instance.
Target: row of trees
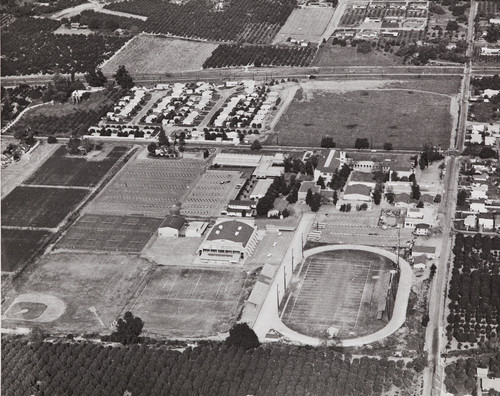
(279, 187)
(100, 21)
(30, 47)
(228, 55)
(199, 19)
(85, 368)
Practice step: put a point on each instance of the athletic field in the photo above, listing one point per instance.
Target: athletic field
(343, 289)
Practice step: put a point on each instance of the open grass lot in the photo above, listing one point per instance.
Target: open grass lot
(18, 246)
(64, 170)
(379, 114)
(110, 233)
(342, 289)
(190, 302)
(147, 186)
(158, 55)
(212, 193)
(39, 206)
(83, 282)
(329, 55)
(305, 24)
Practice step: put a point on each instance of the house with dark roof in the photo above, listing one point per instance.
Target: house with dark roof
(329, 162)
(357, 192)
(171, 226)
(422, 229)
(428, 251)
(228, 241)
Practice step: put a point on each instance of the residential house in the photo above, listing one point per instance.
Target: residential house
(427, 251)
(479, 191)
(470, 222)
(487, 383)
(477, 205)
(416, 216)
(403, 200)
(486, 221)
(481, 178)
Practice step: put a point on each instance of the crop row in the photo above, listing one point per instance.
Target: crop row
(94, 369)
(228, 55)
(258, 33)
(198, 19)
(30, 47)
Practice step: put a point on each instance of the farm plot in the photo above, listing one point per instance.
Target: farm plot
(188, 303)
(110, 233)
(19, 246)
(148, 186)
(370, 113)
(212, 193)
(343, 289)
(93, 287)
(159, 55)
(306, 24)
(39, 206)
(64, 170)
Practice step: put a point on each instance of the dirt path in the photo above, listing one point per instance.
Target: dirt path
(287, 96)
(334, 22)
(72, 11)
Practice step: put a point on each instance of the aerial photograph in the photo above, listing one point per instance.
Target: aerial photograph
(250, 197)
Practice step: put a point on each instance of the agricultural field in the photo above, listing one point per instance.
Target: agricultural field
(19, 246)
(91, 368)
(330, 55)
(40, 206)
(159, 55)
(190, 302)
(230, 55)
(110, 233)
(368, 112)
(343, 289)
(62, 169)
(212, 193)
(148, 186)
(92, 289)
(195, 19)
(30, 47)
(306, 24)
(473, 293)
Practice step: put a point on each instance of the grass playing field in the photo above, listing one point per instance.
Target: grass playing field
(147, 186)
(64, 170)
(404, 117)
(39, 206)
(159, 55)
(190, 302)
(305, 24)
(110, 233)
(342, 289)
(18, 246)
(94, 288)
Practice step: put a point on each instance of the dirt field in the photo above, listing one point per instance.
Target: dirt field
(341, 289)
(110, 233)
(156, 55)
(146, 186)
(190, 302)
(39, 206)
(64, 170)
(18, 246)
(329, 55)
(305, 24)
(369, 113)
(86, 283)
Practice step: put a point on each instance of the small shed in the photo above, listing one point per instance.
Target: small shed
(171, 226)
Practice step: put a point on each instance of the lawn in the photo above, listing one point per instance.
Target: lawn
(343, 289)
(19, 246)
(110, 233)
(405, 118)
(160, 55)
(86, 283)
(329, 55)
(39, 206)
(62, 169)
(190, 302)
(305, 24)
(147, 186)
